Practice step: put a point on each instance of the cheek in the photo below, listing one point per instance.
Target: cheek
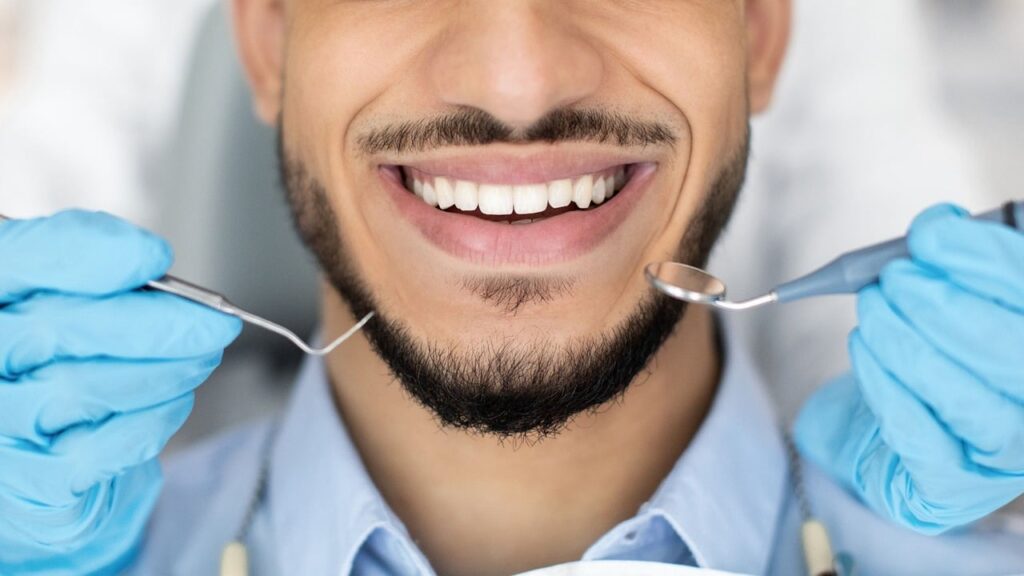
(340, 66)
(332, 81)
(336, 80)
(695, 64)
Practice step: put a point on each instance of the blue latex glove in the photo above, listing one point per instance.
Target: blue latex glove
(929, 428)
(94, 379)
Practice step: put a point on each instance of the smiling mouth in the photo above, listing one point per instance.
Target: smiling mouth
(517, 203)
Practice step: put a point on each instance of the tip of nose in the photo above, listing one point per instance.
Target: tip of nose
(516, 73)
(516, 103)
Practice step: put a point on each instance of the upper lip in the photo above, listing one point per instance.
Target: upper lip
(508, 165)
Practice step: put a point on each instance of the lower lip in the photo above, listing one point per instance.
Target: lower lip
(550, 241)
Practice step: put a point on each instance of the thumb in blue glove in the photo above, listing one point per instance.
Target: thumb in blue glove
(928, 430)
(95, 377)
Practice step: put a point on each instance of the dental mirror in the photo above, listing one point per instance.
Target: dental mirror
(685, 283)
(847, 274)
(691, 284)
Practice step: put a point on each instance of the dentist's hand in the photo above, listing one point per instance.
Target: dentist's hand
(929, 428)
(94, 379)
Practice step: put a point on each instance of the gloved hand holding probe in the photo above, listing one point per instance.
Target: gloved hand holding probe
(95, 377)
(929, 428)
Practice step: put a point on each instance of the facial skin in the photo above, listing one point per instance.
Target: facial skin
(513, 92)
(526, 389)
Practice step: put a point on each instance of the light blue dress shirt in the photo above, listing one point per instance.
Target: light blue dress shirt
(727, 504)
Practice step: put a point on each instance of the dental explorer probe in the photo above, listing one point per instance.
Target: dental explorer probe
(847, 274)
(178, 287)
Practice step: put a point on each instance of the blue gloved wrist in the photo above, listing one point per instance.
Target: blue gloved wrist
(114, 519)
(95, 377)
(928, 430)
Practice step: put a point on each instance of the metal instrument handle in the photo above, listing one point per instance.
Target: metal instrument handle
(189, 291)
(854, 270)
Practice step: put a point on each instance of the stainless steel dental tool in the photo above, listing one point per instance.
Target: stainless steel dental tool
(211, 299)
(218, 302)
(846, 274)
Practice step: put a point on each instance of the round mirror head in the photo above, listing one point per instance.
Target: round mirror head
(684, 282)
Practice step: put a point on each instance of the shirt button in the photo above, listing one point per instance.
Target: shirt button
(631, 536)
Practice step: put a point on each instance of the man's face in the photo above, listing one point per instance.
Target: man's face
(492, 176)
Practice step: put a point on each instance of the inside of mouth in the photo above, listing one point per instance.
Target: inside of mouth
(415, 182)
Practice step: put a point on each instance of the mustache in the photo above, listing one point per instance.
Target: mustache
(475, 127)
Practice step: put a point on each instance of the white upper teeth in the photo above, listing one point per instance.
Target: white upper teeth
(466, 197)
(530, 199)
(560, 193)
(583, 191)
(503, 199)
(445, 193)
(429, 195)
(495, 199)
(598, 191)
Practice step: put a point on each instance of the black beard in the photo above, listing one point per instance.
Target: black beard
(526, 392)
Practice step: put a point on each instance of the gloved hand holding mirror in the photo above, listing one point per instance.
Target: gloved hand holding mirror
(847, 274)
(928, 429)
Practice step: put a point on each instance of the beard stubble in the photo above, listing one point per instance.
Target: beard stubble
(526, 391)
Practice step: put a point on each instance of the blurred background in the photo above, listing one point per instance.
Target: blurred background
(138, 107)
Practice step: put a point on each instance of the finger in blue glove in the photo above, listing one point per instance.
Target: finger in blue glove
(95, 377)
(929, 428)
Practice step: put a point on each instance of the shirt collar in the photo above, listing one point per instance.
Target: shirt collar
(724, 496)
(722, 499)
(323, 504)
